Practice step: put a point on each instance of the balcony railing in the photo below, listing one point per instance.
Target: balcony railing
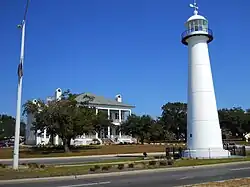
(117, 120)
(199, 30)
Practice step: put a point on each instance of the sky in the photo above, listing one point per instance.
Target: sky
(131, 47)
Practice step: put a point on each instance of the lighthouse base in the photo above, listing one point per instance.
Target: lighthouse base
(206, 153)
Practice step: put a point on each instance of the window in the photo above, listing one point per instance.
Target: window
(196, 25)
(116, 116)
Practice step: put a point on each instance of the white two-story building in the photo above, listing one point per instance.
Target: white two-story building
(116, 109)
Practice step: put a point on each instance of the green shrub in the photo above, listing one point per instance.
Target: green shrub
(97, 167)
(144, 163)
(3, 165)
(33, 165)
(163, 163)
(152, 163)
(92, 169)
(42, 166)
(168, 157)
(120, 166)
(131, 165)
(160, 157)
(105, 168)
(170, 162)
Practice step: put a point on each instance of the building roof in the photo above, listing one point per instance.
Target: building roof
(102, 101)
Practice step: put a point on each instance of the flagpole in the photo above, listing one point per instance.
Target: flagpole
(19, 95)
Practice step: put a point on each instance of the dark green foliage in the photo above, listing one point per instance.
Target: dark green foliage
(170, 162)
(42, 166)
(92, 169)
(105, 168)
(120, 166)
(67, 118)
(7, 127)
(33, 165)
(163, 163)
(3, 165)
(152, 163)
(234, 122)
(97, 167)
(131, 165)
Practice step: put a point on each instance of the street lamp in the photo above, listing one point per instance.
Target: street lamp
(19, 93)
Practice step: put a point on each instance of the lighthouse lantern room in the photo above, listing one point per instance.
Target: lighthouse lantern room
(196, 25)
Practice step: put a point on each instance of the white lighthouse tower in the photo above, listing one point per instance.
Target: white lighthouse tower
(204, 137)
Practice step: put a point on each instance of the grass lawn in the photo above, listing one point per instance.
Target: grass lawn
(243, 182)
(6, 153)
(6, 173)
(196, 162)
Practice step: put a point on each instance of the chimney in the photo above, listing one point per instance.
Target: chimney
(58, 93)
(118, 98)
(34, 101)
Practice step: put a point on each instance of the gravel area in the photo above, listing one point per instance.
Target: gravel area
(244, 182)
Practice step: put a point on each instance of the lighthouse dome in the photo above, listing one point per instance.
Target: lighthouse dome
(195, 17)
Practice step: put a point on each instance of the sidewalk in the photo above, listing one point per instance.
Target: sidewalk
(90, 156)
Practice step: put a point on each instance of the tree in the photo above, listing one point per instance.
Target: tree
(65, 117)
(246, 125)
(233, 119)
(7, 126)
(101, 121)
(146, 124)
(156, 132)
(31, 107)
(174, 118)
(131, 125)
(138, 126)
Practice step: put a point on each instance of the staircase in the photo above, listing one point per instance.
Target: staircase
(107, 141)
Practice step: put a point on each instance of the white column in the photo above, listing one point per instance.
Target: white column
(56, 140)
(108, 131)
(96, 111)
(109, 126)
(96, 135)
(38, 137)
(108, 113)
(120, 120)
(130, 112)
(120, 116)
(44, 134)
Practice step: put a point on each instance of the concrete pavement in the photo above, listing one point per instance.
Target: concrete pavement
(160, 178)
(76, 159)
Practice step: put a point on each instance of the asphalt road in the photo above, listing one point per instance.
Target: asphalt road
(152, 179)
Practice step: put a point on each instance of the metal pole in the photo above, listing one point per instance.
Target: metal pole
(19, 102)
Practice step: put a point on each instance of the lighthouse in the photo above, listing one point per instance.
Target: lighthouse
(204, 137)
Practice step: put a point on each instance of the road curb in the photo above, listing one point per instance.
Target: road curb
(90, 156)
(113, 174)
